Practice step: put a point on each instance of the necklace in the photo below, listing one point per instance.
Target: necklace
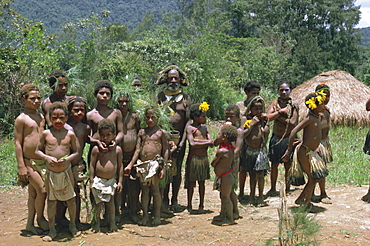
(315, 115)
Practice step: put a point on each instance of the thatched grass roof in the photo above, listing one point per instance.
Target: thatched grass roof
(347, 101)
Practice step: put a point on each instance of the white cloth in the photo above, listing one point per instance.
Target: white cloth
(103, 189)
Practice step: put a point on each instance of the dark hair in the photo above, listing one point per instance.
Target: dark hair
(284, 81)
(194, 110)
(234, 108)
(58, 105)
(107, 124)
(250, 85)
(72, 99)
(103, 83)
(54, 75)
(230, 132)
(26, 89)
(323, 87)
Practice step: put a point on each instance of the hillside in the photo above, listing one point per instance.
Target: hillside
(366, 36)
(56, 13)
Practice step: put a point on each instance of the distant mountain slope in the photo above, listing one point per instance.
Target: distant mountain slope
(55, 13)
(366, 36)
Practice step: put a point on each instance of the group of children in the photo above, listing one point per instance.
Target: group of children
(126, 160)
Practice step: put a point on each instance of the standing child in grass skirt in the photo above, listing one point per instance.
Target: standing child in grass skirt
(225, 179)
(366, 198)
(255, 158)
(324, 147)
(306, 159)
(197, 164)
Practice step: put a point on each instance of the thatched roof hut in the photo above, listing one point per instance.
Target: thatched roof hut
(347, 101)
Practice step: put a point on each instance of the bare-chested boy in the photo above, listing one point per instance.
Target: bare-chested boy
(284, 112)
(150, 154)
(255, 135)
(325, 147)
(58, 147)
(58, 82)
(178, 104)
(306, 155)
(197, 164)
(77, 108)
(131, 126)
(28, 128)
(366, 198)
(225, 180)
(105, 167)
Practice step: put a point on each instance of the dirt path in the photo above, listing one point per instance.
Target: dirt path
(345, 222)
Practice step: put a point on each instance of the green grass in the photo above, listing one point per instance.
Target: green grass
(8, 167)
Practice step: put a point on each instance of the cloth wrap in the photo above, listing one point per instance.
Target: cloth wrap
(103, 189)
(317, 167)
(60, 186)
(147, 170)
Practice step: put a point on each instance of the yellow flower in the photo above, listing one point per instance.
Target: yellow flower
(204, 107)
(172, 112)
(311, 103)
(320, 96)
(247, 123)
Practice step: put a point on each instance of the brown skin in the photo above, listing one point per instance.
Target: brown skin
(255, 136)
(222, 163)
(366, 198)
(278, 112)
(106, 165)
(53, 145)
(311, 137)
(59, 95)
(151, 141)
(28, 127)
(178, 120)
(199, 141)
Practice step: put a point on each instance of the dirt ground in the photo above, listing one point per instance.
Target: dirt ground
(345, 222)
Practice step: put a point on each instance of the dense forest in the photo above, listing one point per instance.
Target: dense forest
(219, 44)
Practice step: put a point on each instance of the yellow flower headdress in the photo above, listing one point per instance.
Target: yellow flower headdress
(204, 107)
(247, 123)
(315, 99)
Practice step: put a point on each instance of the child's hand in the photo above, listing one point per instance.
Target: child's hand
(102, 147)
(112, 145)
(161, 174)
(264, 116)
(284, 110)
(23, 174)
(286, 156)
(127, 171)
(119, 188)
(51, 160)
(255, 121)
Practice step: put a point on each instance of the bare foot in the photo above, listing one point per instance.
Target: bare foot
(118, 218)
(219, 217)
(272, 193)
(165, 210)
(113, 227)
(299, 201)
(135, 218)
(315, 199)
(176, 207)
(73, 229)
(225, 223)
(96, 228)
(252, 202)
(50, 236)
(366, 198)
(326, 200)
(190, 209)
(156, 221)
(34, 230)
(261, 202)
(144, 220)
(43, 224)
(236, 216)
(201, 210)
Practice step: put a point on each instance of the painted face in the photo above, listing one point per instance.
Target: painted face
(252, 93)
(78, 111)
(230, 116)
(103, 96)
(61, 88)
(150, 118)
(284, 91)
(202, 119)
(58, 118)
(106, 136)
(173, 80)
(33, 100)
(257, 109)
(123, 103)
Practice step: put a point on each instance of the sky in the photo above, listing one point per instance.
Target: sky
(365, 13)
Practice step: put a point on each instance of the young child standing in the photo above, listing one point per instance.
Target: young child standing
(305, 155)
(77, 108)
(105, 167)
(197, 164)
(58, 147)
(28, 128)
(150, 154)
(225, 180)
(256, 160)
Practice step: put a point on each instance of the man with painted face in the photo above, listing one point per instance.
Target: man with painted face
(178, 103)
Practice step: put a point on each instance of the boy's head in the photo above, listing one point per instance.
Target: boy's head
(123, 103)
(230, 132)
(284, 89)
(256, 106)
(198, 112)
(252, 88)
(232, 113)
(315, 101)
(326, 89)
(58, 83)
(151, 117)
(30, 96)
(77, 108)
(58, 114)
(107, 131)
(103, 91)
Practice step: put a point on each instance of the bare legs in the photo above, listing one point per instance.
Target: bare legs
(202, 190)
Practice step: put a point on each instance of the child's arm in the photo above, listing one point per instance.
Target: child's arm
(93, 160)
(75, 147)
(119, 125)
(239, 142)
(51, 160)
(217, 140)
(119, 169)
(219, 154)
(127, 170)
(199, 142)
(248, 129)
(18, 141)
